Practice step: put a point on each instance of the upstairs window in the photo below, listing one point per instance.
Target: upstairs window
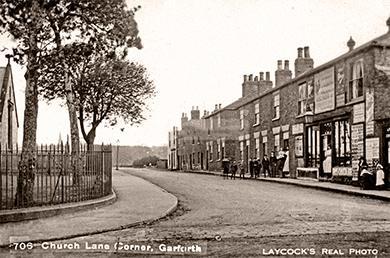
(211, 123)
(356, 80)
(242, 119)
(257, 114)
(302, 99)
(219, 119)
(276, 106)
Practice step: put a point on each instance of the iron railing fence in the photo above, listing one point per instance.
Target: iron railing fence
(58, 178)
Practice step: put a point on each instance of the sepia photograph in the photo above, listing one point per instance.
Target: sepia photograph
(213, 128)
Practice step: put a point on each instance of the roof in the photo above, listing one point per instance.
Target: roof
(383, 40)
(5, 76)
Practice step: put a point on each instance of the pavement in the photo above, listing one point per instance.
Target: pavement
(137, 201)
(383, 195)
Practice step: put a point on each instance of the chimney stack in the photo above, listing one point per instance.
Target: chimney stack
(261, 76)
(282, 75)
(195, 113)
(303, 64)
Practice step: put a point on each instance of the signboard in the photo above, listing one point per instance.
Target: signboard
(358, 113)
(299, 146)
(369, 112)
(342, 171)
(324, 96)
(297, 129)
(340, 100)
(357, 145)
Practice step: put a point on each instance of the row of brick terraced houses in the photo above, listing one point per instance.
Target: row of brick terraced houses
(330, 114)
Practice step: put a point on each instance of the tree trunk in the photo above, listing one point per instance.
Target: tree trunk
(24, 193)
(74, 131)
(91, 138)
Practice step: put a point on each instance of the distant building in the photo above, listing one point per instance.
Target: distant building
(8, 113)
(324, 118)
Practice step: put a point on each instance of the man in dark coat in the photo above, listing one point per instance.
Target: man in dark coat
(251, 167)
(272, 162)
(266, 163)
(255, 167)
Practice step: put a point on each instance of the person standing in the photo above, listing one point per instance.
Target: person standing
(234, 169)
(286, 165)
(266, 162)
(272, 162)
(280, 163)
(380, 177)
(259, 167)
(225, 166)
(251, 167)
(242, 169)
(255, 167)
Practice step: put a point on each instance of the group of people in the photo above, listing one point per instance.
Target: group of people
(371, 179)
(272, 167)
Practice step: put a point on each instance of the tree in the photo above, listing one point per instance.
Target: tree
(112, 89)
(42, 28)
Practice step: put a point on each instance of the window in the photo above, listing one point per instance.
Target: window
(356, 80)
(299, 146)
(223, 149)
(218, 150)
(302, 99)
(277, 143)
(198, 157)
(241, 150)
(211, 123)
(219, 119)
(265, 147)
(342, 143)
(313, 146)
(211, 150)
(276, 106)
(257, 114)
(257, 148)
(242, 119)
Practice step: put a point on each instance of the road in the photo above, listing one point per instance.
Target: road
(256, 218)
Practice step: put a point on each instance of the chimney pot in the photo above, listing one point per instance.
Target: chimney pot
(245, 78)
(280, 64)
(216, 106)
(307, 53)
(261, 76)
(300, 52)
(267, 76)
(220, 105)
(251, 77)
(286, 65)
(351, 44)
(197, 107)
(256, 78)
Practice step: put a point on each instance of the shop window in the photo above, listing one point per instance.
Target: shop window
(302, 99)
(356, 80)
(342, 143)
(313, 146)
(276, 106)
(257, 114)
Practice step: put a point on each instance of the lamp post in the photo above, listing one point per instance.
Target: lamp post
(117, 153)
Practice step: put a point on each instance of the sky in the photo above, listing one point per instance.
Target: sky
(197, 52)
